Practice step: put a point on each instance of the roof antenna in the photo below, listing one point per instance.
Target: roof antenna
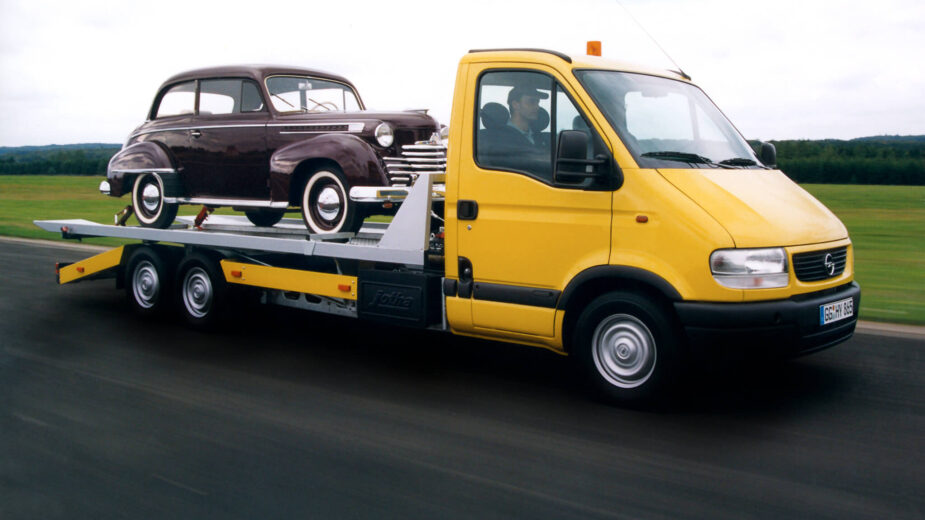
(633, 18)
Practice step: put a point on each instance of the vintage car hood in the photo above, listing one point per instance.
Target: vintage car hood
(759, 208)
(412, 119)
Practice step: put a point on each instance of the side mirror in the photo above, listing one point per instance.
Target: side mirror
(573, 166)
(768, 155)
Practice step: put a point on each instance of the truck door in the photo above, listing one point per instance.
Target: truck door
(525, 229)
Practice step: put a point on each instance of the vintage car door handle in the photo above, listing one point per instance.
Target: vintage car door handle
(196, 133)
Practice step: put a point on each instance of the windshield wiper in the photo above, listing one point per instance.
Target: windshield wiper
(680, 156)
(739, 161)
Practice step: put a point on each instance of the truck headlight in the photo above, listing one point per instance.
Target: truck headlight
(750, 268)
(384, 135)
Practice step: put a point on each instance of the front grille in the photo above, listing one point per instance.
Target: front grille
(418, 158)
(811, 267)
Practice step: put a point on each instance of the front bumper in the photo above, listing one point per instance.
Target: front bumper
(781, 328)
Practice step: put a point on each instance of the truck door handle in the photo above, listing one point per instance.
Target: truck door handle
(467, 209)
(196, 133)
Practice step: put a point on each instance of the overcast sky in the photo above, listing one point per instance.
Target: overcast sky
(87, 71)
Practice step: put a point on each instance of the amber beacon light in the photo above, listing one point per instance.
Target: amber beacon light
(594, 48)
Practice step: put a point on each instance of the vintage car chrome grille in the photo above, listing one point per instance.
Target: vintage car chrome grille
(820, 265)
(415, 159)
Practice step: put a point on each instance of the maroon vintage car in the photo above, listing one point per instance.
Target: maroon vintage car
(262, 139)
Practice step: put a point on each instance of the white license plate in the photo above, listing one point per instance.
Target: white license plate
(836, 311)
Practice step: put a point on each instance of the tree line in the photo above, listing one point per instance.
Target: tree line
(897, 160)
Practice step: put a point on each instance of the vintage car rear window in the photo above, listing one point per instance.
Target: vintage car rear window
(179, 100)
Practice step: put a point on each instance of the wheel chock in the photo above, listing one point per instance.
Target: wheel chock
(121, 217)
(202, 216)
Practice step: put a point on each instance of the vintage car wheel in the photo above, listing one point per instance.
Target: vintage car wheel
(325, 205)
(265, 217)
(628, 347)
(201, 290)
(148, 202)
(148, 280)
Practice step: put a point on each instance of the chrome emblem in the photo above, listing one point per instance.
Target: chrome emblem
(829, 264)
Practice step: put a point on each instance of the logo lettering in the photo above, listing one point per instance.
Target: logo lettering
(392, 300)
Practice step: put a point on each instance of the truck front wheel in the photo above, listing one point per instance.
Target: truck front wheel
(326, 207)
(627, 347)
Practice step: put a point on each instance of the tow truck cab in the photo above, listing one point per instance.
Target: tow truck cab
(640, 213)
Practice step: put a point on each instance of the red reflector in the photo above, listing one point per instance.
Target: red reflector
(387, 205)
(57, 268)
(642, 219)
(236, 274)
(80, 269)
(345, 287)
(64, 229)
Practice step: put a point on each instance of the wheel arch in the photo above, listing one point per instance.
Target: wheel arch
(138, 158)
(598, 280)
(355, 158)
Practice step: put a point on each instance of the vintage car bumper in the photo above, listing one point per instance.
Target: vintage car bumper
(782, 328)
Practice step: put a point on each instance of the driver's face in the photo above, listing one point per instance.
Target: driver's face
(528, 107)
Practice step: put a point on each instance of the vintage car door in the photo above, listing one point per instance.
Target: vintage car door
(523, 231)
(228, 151)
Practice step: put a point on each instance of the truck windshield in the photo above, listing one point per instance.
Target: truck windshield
(667, 123)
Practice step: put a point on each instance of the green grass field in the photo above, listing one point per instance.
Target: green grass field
(887, 226)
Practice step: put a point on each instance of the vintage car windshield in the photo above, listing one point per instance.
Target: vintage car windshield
(667, 123)
(304, 94)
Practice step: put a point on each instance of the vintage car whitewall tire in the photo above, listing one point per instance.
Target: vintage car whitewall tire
(148, 202)
(326, 208)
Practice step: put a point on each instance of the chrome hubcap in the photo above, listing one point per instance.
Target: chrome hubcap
(146, 285)
(197, 292)
(624, 350)
(328, 203)
(151, 197)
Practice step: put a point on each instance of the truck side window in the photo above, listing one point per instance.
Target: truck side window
(514, 123)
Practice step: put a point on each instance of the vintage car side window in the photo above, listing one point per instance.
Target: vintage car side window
(228, 96)
(514, 123)
(178, 100)
(301, 94)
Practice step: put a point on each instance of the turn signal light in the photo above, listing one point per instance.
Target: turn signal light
(594, 48)
(642, 219)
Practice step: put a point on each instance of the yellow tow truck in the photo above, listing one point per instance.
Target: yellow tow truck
(603, 211)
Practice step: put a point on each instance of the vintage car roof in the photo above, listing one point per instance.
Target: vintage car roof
(257, 72)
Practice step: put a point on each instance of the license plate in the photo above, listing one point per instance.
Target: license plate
(836, 311)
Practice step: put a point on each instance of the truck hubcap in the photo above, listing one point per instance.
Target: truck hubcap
(624, 351)
(197, 292)
(146, 285)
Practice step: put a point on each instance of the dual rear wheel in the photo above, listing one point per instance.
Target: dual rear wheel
(156, 280)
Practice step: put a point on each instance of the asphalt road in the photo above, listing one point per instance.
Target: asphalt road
(298, 415)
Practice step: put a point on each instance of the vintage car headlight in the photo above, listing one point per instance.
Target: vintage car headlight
(750, 268)
(384, 135)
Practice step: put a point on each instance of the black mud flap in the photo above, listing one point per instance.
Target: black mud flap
(396, 298)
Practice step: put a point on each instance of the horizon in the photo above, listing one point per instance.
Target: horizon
(72, 73)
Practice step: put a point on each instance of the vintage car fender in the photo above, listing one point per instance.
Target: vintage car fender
(355, 157)
(138, 158)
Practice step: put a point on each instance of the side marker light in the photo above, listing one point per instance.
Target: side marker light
(343, 287)
(642, 219)
(236, 274)
(80, 269)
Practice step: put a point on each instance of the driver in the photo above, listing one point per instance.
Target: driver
(524, 105)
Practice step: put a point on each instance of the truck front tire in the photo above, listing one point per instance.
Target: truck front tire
(627, 347)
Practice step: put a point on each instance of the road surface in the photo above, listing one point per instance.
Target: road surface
(298, 415)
